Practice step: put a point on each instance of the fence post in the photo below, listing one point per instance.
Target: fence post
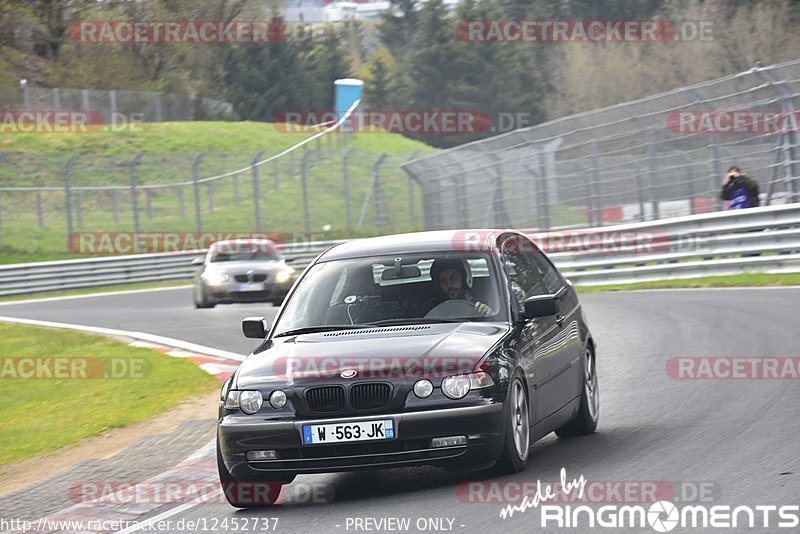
(501, 218)
(26, 99)
(85, 99)
(275, 177)
(380, 209)
(256, 194)
(196, 186)
(652, 174)
(304, 185)
(79, 208)
(210, 195)
(66, 175)
(640, 194)
(346, 189)
(596, 204)
(112, 96)
(790, 139)
(291, 165)
(412, 208)
(56, 99)
(181, 202)
(426, 220)
(159, 115)
(540, 189)
(716, 170)
(134, 184)
(115, 205)
(236, 188)
(148, 196)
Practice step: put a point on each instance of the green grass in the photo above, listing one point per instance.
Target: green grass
(170, 149)
(738, 280)
(41, 415)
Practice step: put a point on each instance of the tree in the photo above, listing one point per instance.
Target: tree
(377, 90)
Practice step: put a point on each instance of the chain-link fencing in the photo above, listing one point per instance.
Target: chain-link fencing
(660, 156)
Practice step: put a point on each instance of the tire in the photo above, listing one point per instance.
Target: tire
(585, 422)
(517, 446)
(241, 494)
(200, 298)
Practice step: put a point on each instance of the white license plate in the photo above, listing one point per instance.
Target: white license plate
(356, 431)
(252, 286)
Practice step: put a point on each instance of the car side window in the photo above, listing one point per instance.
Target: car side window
(525, 276)
(549, 275)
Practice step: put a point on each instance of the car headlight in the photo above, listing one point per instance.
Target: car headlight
(277, 399)
(248, 401)
(423, 388)
(457, 386)
(283, 276)
(215, 278)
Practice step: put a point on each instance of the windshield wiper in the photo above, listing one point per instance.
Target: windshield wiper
(321, 328)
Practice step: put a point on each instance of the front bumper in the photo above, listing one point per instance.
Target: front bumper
(484, 426)
(229, 293)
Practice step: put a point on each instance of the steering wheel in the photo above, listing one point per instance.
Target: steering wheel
(451, 309)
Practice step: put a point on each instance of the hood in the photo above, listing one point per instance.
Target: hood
(394, 352)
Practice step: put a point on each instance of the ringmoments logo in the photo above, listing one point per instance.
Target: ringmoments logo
(660, 516)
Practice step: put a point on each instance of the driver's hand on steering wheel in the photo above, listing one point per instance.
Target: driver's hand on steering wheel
(483, 309)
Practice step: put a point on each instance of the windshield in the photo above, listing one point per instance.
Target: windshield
(434, 287)
(243, 251)
(243, 256)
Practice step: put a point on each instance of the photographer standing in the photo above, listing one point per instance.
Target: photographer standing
(739, 190)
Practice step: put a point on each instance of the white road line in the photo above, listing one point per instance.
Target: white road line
(142, 523)
(93, 295)
(152, 338)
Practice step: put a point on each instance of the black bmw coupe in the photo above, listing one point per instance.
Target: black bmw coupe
(457, 349)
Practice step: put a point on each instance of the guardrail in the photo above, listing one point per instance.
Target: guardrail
(722, 243)
(48, 276)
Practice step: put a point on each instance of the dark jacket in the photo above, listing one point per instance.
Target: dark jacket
(741, 192)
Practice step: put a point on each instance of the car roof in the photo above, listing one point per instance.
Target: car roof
(418, 242)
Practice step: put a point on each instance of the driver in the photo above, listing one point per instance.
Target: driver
(450, 277)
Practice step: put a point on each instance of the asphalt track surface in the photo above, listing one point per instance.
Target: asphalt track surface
(739, 440)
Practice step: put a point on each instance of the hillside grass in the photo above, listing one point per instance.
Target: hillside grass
(106, 385)
(169, 151)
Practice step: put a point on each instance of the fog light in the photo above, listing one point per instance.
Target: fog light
(258, 456)
(423, 388)
(277, 399)
(452, 441)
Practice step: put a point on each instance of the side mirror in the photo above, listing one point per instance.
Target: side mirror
(541, 306)
(199, 261)
(255, 327)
